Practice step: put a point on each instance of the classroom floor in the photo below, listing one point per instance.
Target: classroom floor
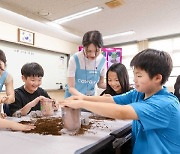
(56, 94)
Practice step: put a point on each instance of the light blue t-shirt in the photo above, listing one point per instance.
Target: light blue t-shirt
(158, 129)
(2, 79)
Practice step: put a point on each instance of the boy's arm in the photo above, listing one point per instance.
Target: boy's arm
(111, 110)
(106, 99)
(25, 110)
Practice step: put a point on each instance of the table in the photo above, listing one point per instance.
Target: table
(21, 143)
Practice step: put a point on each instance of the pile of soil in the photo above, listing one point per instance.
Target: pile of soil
(46, 126)
(100, 118)
(52, 126)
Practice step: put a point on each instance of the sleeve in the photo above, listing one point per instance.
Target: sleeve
(17, 105)
(124, 99)
(152, 115)
(45, 94)
(104, 70)
(8, 78)
(71, 67)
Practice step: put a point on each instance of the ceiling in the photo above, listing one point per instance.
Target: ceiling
(148, 18)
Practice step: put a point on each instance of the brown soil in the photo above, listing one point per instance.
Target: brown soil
(84, 128)
(52, 126)
(46, 126)
(100, 118)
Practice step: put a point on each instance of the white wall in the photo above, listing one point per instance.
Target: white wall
(46, 47)
(9, 33)
(53, 63)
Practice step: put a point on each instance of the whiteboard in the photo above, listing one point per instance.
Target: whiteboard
(53, 63)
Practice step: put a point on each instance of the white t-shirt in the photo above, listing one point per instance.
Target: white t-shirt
(85, 63)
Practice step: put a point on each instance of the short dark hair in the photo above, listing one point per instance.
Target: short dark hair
(2, 57)
(123, 78)
(32, 69)
(94, 37)
(153, 62)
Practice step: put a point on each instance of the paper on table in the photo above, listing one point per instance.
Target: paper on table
(45, 144)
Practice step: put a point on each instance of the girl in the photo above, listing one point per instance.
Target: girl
(117, 80)
(177, 88)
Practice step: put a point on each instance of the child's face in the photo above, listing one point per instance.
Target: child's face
(2, 66)
(143, 83)
(32, 83)
(114, 82)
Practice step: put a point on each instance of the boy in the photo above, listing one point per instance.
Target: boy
(155, 112)
(28, 96)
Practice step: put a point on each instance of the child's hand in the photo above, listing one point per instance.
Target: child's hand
(55, 105)
(42, 98)
(3, 115)
(21, 127)
(8, 124)
(75, 104)
(37, 100)
(4, 99)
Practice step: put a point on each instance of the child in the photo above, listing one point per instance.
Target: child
(117, 80)
(28, 96)
(7, 124)
(7, 80)
(155, 112)
(177, 88)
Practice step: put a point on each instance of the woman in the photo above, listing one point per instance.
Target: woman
(117, 80)
(87, 68)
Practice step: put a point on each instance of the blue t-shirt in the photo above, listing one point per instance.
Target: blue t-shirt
(158, 129)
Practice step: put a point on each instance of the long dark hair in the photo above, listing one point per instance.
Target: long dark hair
(123, 78)
(2, 56)
(94, 37)
(177, 87)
